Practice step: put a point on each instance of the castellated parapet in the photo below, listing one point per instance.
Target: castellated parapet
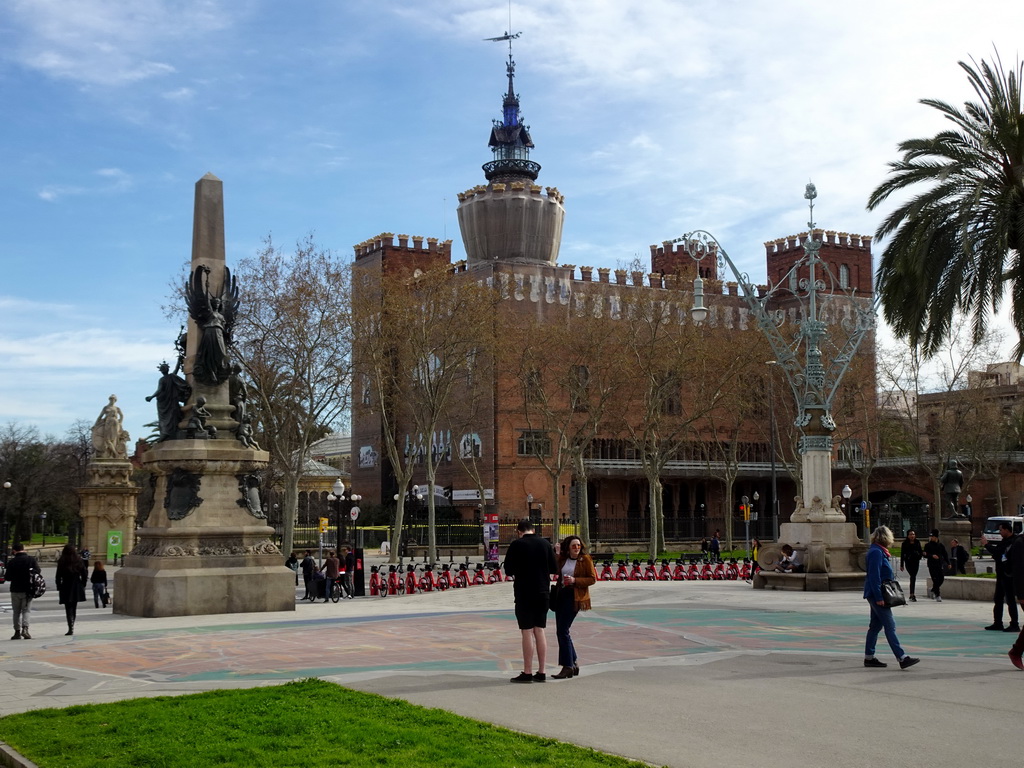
(672, 259)
(511, 222)
(848, 258)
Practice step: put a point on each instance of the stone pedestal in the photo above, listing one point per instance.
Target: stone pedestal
(108, 503)
(832, 554)
(958, 528)
(206, 548)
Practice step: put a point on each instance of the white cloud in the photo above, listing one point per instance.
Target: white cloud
(107, 42)
(113, 181)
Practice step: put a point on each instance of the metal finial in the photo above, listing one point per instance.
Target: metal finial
(809, 194)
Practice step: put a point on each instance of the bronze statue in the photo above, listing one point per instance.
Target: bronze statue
(952, 481)
(197, 427)
(215, 316)
(171, 393)
(108, 435)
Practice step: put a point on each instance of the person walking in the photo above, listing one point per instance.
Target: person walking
(71, 579)
(716, 547)
(348, 565)
(308, 566)
(99, 583)
(576, 574)
(910, 559)
(935, 556)
(332, 571)
(19, 569)
(878, 570)
(1005, 592)
(530, 560)
(1015, 558)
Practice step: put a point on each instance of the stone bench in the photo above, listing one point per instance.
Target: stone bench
(966, 588)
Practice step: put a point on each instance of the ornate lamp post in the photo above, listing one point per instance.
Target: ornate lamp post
(345, 498)
(5, 531)
(813, 379)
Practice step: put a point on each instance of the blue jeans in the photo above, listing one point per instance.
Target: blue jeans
(565, 614)
(881, 619)
(98, 590)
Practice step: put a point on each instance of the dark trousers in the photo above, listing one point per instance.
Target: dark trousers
(912, 569)
(1004, 594)
(306, 579)
(565, 614)
(71, 613)
(935, 571)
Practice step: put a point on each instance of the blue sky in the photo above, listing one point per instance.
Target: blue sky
(347, 118)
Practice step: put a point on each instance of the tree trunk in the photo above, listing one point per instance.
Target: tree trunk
(396, 533)
(290, 510)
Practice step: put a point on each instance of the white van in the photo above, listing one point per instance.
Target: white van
(991, 531)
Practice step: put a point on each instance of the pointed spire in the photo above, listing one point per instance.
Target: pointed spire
(510, 138)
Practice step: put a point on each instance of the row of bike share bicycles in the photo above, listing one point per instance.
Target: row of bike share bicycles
(411, 578)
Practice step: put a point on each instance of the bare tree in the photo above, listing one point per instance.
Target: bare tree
(564, 373)
(294, 340)
(417, 336)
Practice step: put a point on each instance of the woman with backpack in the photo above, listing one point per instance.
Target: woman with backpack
(71, 579)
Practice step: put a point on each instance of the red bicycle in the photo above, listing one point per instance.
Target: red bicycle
(693, 572)
(428, 581)
(705, 572)
(622, 573)
(635, 574)
(478, 574)
(461, 579)
(732, 571)
(679, 572)
(396, 584)
(719, 573)
(606, 572)
(650, 571)
(444, 581)
(665, 574)
(378, 587)
(410, 579)
(495, 575)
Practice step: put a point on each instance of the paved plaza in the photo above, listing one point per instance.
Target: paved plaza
(674, 673)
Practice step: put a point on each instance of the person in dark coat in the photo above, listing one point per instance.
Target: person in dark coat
(910, 559)
(19, 568)
(1015, 557)
(308, 566)
(1005, 592)
(71, 579)
(937, 559)
(958, 557)
(530, 560)
(99, 583)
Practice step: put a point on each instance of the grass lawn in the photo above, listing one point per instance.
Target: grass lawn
(305, 723)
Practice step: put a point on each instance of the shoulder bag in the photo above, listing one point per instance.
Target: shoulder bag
(892, 593)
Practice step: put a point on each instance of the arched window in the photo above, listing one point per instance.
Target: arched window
(844, 276)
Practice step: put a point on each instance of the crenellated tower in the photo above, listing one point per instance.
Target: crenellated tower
(509, 219)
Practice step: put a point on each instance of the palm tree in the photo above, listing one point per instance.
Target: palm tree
(957, 244)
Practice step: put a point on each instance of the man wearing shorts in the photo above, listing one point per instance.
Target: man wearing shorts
(531, 561)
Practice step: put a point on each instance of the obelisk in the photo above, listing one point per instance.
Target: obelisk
(206, 547)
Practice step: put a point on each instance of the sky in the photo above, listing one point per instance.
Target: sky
(348, 118)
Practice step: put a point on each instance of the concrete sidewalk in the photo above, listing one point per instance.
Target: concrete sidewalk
(674, 673)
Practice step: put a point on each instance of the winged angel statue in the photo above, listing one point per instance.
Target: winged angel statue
(215, 317)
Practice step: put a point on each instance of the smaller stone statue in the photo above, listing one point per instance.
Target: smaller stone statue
(171, 393)
(197, 428)
(952, 482)
(108, 435)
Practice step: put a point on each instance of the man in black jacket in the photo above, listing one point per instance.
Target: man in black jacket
(531, 561)
(1015, 559)
(937, 559)
(1004, 580)
(19, 568)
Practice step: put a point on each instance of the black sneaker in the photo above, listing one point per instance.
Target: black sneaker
(522, 677)
(1012, 628)
(996, 626)
(908, 661)
(873, 662)
(540, 677)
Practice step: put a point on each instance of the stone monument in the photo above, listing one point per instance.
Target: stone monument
(205, 547)
(108, 500)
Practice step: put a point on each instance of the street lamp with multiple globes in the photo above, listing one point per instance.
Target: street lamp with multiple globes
(5, 531)
(813, 380)
(342, 495)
